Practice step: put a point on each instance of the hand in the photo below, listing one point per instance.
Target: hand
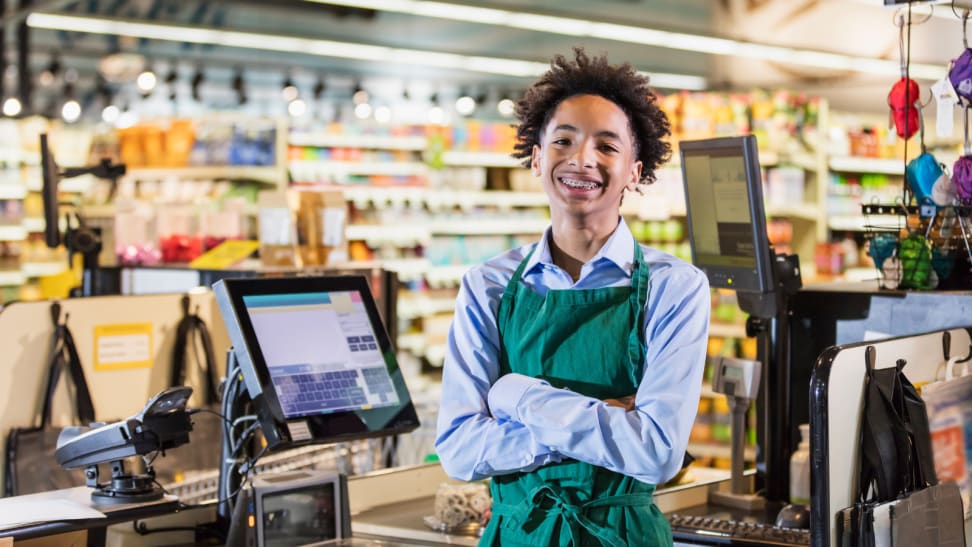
(487, 514)
(627, 403)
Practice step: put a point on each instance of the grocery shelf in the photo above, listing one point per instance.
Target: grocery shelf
(853, 164)
(858, 274)
(479, 159)
(803, 160)
(38, 269)
(33, 224)
(446, 276)
(376, 142)
(348, 168)
(727, 330)
(74, 185)
(438, 198)
(802, 211)
(12, 191)
(11, 155)
(435, 354)
(271, 173)
(718, 450)
(863, 223)
(498, 226)
(422, 232)
(423, 306)
(408, 269)
(378, 234)
(14, 232)
(9, 278)
(414, 342)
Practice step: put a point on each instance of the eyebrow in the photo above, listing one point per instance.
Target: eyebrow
(605, 133)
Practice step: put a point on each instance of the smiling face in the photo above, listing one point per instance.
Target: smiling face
(586, 159)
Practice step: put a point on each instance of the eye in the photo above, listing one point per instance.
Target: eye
(561, 141)
(608, 148)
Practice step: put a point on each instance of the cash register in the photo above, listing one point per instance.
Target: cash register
(310, 363)
(727, 232)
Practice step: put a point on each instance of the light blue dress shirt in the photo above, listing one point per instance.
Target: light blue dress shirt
(492, 426)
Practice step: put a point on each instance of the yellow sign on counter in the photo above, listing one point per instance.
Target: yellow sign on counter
(225, 254)
(123, 345)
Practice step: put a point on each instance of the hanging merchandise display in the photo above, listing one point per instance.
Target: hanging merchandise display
(960, 70)
(905, 93)
(962, 172)
(903, 100)
(926, 177)
(923, 250)
(916, 266)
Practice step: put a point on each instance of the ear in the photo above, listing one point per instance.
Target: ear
(535, 160)
(632, 184)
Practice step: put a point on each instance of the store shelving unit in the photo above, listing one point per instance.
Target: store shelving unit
(273, 174)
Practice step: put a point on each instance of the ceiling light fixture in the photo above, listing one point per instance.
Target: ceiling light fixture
(110, 114)
(146, 81)
(170, 80)
(47, 77)
(297, 108)
(506, 107)
(465, 105)
(239, 86)
(324, 48)
(383, 114)
(319, 88)
(288, 90)
(71, 110)
(644, 36)
(359, 95)
(12, 107)
(362, 111)
(196, 84)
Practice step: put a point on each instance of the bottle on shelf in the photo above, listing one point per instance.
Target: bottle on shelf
(800, 469)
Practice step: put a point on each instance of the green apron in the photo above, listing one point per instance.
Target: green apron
(590, 341)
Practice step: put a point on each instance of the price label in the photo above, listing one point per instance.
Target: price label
(225, 254)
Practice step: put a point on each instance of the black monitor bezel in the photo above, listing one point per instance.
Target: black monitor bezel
(741, 279)
(325, 428)
(50, 177)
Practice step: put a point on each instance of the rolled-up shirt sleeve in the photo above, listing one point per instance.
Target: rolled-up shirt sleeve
(647, 443)
(470, 442)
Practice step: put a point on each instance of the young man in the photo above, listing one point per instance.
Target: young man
(574, 364)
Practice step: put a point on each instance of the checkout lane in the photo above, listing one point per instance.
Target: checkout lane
(387, 507)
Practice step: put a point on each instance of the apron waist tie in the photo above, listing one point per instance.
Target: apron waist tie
(544, 500)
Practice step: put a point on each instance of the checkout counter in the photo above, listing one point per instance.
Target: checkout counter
(387, 507)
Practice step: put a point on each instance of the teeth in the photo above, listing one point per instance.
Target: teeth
(579, 184)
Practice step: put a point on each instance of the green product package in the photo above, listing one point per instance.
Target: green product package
(914, 252)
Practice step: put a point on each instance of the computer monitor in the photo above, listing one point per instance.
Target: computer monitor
(315, 358)
(49, 179)
(726, 220)
(298, 508)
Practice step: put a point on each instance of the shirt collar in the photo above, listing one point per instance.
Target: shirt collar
(618, 250)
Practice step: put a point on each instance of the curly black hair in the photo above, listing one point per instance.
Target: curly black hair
(620, 84)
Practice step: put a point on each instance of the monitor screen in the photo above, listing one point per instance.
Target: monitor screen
(726, 220)
(299, 508)
(316, 359)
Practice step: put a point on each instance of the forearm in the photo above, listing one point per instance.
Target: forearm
(476, 446)
(634, 443)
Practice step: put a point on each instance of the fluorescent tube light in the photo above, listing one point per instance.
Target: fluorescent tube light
(324, 48)
(650, 37)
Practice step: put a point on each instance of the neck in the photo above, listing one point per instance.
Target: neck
(573, 245)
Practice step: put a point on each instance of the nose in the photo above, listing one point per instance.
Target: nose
(583, 156)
